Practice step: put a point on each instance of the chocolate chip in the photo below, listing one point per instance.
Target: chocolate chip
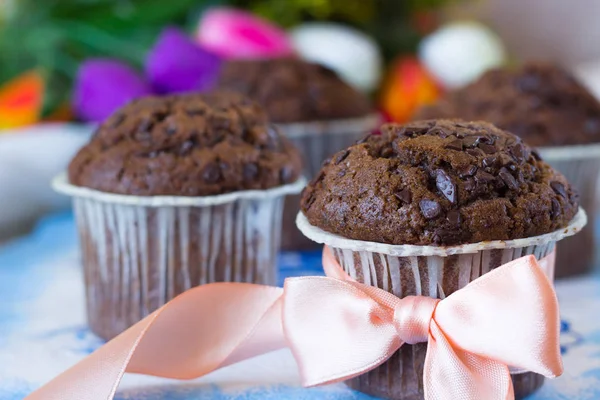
(417, 130)
(341, 156)
(518, 152)
(556, 209)
(211, 173)
(559, 188)
(453, 216)
(470, 185)
(483, 177)
(507, 177)
(286, 174)
(317, 178)
(488, 139)
(403, 132)
(250, 171)
(430, 209)
(341, 173)
(308, 203)
(363, 139)
(489, 161)
(536, 155)
(470, 141)
(455, 145)
(404, 195)
(327, 161)
(487, 148)
(441, 235)
(386, 152)
(474, 152)
(445, 185)
(437, 131)
(145, 125)
(468, 171)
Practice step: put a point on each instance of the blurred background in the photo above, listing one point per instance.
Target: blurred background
(67, 64)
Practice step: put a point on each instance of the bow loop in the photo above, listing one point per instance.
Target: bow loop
(412, 318)
(509, 315)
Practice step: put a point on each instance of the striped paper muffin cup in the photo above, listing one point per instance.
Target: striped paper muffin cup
(581, 166)
(139, 252)
(317, 141)
(435, 271)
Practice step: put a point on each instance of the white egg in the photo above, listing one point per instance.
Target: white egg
(355, 56)
(458, 53)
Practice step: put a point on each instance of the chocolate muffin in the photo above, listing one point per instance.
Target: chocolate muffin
(292, 90)
(439, 182)
(433, 185)
(548, 108)
(316, 109)
(224, 171)
(186, 145)
(542, 103)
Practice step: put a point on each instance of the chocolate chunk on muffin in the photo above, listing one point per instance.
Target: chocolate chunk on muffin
(442, 182)
(292, 90)
(542, 103)
(186, 145)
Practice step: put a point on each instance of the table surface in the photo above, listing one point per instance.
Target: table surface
(43, 331)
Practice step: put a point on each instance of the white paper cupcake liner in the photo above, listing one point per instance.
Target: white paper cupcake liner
(140, 252)
(336, 241)
(435, 271)
(581, 166)
(317, 141)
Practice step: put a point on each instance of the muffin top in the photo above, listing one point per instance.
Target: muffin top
(541, 103)
(186, 145)
(292, 90)
(442, 182)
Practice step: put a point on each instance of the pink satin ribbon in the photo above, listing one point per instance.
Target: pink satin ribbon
(337, 329)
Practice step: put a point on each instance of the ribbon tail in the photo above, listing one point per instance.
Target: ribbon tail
(198, 332)
(471, 376)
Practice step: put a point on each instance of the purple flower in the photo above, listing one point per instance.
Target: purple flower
(177, 64)
(104, 85)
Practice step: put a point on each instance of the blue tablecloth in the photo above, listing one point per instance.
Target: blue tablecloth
(43, 331)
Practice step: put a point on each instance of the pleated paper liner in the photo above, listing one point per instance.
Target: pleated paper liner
(141, 251)
(435, 271)
(581, 166)
(317, 141)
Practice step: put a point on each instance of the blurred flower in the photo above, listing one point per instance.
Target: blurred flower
(234, 33)
(21, 100)
(104, 85)
(407, 87)
(177, 64)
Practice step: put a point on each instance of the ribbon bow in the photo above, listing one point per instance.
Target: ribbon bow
(337, 329)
